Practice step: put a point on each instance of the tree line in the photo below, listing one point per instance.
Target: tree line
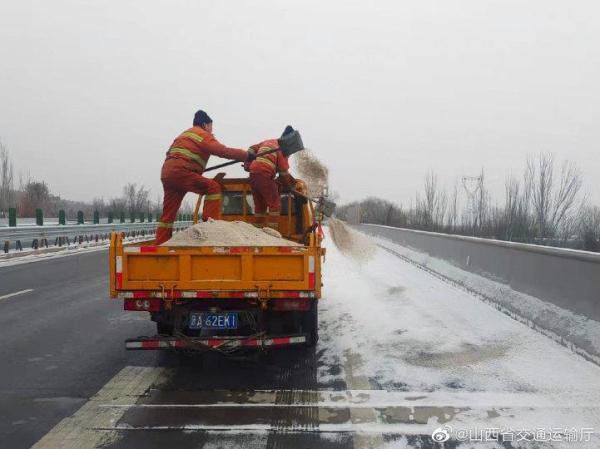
(546, 205)
(29, 194)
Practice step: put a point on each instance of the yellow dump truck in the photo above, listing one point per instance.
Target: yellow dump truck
(227, 297)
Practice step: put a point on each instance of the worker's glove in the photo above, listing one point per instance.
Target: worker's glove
(250, 156)
(284, 183)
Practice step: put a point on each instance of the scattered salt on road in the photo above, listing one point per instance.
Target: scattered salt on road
(414, 332)
(350, 242)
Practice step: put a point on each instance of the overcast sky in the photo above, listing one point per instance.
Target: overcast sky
(92, 93)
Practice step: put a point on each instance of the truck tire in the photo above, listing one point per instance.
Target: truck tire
(310, 325)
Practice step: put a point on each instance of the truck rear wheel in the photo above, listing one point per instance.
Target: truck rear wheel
(310, 325)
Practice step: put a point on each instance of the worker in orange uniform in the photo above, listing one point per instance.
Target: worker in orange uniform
(264, 164)
(182, 173)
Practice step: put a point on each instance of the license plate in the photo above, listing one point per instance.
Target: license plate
(213, 321)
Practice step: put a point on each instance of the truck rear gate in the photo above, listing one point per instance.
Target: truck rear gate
(212, 269)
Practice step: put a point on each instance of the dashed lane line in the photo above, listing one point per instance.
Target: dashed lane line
(11, 295)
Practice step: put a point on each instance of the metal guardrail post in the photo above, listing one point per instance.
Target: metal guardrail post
(39, 217)
(80, 217)
(12, 216)
(62, 218)
(96, 217)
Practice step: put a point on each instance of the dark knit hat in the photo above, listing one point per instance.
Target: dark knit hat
(201, 118)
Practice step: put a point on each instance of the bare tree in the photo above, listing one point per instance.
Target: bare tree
(34, 195)
(589, 228)
(117, 205)
(539, 178)
(512, 198)
(136, 199)
(453, 209)
(7, 188)
(99, 205)
(551, 203)
(433, 206)
(566, 202)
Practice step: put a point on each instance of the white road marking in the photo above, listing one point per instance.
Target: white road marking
(10, 295)
(361, 416)
(347, 399)
(373, 430)
(84, 429)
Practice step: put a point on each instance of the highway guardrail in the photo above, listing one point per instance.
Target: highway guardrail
(21, 237)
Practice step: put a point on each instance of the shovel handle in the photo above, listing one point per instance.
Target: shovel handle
(226, 164)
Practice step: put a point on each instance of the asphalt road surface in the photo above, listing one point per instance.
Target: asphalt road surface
(417, 355)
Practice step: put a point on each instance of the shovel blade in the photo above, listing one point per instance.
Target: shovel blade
(326, 207)
(290, 143)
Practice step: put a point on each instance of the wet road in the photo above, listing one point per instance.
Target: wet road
(62, 342)
(429, 355)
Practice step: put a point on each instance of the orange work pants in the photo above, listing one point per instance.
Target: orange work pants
(265, 193)
(178, 179)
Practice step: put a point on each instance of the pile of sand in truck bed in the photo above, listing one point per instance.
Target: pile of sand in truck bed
(228, 233)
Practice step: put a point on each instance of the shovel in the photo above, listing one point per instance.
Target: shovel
(324, 206)
(289, 144)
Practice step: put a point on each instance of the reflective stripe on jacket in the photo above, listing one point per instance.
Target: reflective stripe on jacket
(196, 145)
(267, 161)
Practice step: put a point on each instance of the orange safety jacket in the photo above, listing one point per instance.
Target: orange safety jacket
(196, 145)
(270, 163)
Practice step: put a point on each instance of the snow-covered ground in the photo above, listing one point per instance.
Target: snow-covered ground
(404, 330)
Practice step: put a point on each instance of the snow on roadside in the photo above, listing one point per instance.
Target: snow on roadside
(556, 322)
(415, 332)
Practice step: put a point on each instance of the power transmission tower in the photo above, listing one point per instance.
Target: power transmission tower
(472, 186)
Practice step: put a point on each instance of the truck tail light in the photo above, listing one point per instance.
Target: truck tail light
(144, 305)
(287, 304)
(293, 294)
